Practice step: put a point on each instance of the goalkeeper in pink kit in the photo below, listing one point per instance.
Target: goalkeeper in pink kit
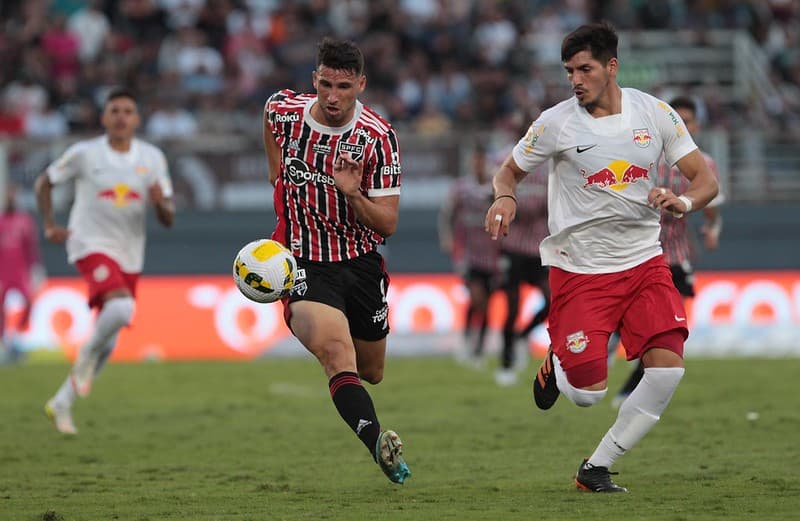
(21, 264)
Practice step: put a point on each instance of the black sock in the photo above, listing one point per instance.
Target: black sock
(355, 407)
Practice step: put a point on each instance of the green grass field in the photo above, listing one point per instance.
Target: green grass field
(262, 441)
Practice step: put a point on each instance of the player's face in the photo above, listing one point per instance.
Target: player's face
(120, 118)
(689, 119)
(337, 91)
(589, 78)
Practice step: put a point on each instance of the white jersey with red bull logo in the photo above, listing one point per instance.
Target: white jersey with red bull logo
(111, 196)
(675, 231)
(601, 173)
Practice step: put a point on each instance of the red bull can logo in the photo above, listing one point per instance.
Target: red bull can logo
(617, 175)
(120, 195)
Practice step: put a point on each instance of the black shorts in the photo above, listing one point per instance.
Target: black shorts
(683, 278)
(518, 268)
(357, 287)
(485, 278)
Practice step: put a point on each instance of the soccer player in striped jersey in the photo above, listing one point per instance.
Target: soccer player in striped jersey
(521, 263)
(335, 166)
(475, 256)
(607, 271)
(116, 177)
(678, 252)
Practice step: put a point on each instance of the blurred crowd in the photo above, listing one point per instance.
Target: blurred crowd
(207, 66)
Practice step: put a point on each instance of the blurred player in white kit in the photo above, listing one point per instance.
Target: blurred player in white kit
(115, 176)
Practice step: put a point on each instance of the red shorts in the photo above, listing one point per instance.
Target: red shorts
(103, 274)
(640, 302)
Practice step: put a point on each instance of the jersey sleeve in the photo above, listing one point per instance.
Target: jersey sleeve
(537, 145)
(384, 167)
(271, 108)
(68, 166)
(677, 141)
(161, 171)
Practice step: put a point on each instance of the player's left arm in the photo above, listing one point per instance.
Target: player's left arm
(703, 187)
(377, 213)
(681, 151)
(160, 194)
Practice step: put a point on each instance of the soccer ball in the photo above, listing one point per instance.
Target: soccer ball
(264, 271)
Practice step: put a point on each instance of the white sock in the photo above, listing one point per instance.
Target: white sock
(580, 397)
(116, 314)
(638, 414)
(65, 396)
(105, 354)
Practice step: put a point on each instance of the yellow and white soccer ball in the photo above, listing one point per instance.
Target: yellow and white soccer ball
(264, 271)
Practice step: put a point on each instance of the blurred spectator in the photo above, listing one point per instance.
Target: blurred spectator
(170, 121)
(91, 27)
(467, 57)
(46, 124)
(61, 49)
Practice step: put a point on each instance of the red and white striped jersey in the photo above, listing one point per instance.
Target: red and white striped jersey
(674, 231)
(314, 219)
(530, 224)
(472, 246)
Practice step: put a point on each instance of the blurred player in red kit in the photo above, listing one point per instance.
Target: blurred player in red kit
(335, 165)
(520, 263)
(21, 266)
(607, 271)
(116, 176)
(475, 256)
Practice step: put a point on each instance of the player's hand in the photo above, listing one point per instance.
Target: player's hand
(347, 173)
(710, 237)
(499, 216)
(56, 234)
(664, 199)
(155, 193)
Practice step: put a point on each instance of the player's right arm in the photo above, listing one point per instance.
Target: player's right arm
(504, 208)
(65, 167)
(271, 147)
(44, 203)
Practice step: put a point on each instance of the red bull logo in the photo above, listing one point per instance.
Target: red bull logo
(121, 195)
(642, 137)
(617, 175)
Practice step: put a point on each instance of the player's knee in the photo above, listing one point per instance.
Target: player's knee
(372, 375)
(584, 384)
(585, 398)
(120, 310)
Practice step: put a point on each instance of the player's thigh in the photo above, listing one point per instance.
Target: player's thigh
(323, 330)
(655, 309)
(367, 309)
(585, 310)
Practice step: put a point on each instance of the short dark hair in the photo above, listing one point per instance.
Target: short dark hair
(340, 55)
(119, 92)
(684, 102)
(600, 39)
